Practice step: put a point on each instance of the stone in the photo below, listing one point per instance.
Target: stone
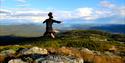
(112, 49)
(8, 52)
(58, 59)
(87, 51)
(34, 50)
(109, 53)
(16, 61)
(97, 52)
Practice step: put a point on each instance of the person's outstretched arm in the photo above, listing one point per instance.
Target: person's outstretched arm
(56, 21)
(44, 21)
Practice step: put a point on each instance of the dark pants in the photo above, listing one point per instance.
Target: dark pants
(48, 33)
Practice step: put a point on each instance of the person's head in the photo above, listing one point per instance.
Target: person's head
(50, 15)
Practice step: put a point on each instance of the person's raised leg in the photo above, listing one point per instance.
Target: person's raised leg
(52, 35)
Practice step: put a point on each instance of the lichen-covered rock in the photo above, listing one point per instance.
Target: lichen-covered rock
(34, 50)
(58, 59)
(8, 52)
(110, 54)
(59, 55)
(97, 52)
(16, 61)
(113, 49)
(87, 51)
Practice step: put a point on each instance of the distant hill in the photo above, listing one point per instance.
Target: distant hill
(36, 30)
(113, 28)
(28, 30)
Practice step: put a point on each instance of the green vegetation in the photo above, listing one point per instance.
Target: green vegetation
(15, 47)
(92, 39)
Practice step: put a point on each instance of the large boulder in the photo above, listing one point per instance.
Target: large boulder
(34, 50)
(16, 61)
(7, 53)
(87, 51)
(58, 59)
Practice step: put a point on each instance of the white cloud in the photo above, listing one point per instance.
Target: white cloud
(106, 4)
(104, 13)
(85, 11)
(114, 9)
(22, 5)
(91, 14)
(62, 15)
(4, 11)
(28, 15)
(21, 1)
(41, 15)
(38, 15)
(121, 11)
(79, 13)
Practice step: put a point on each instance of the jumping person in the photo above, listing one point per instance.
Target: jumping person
(49, 28)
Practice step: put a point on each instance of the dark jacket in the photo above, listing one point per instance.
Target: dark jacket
(49, 23)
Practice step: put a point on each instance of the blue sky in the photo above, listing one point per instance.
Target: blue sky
(83, 11)
(58, 4)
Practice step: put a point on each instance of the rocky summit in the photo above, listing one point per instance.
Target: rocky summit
(34, 50)
(37, 55)
(58, 55)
